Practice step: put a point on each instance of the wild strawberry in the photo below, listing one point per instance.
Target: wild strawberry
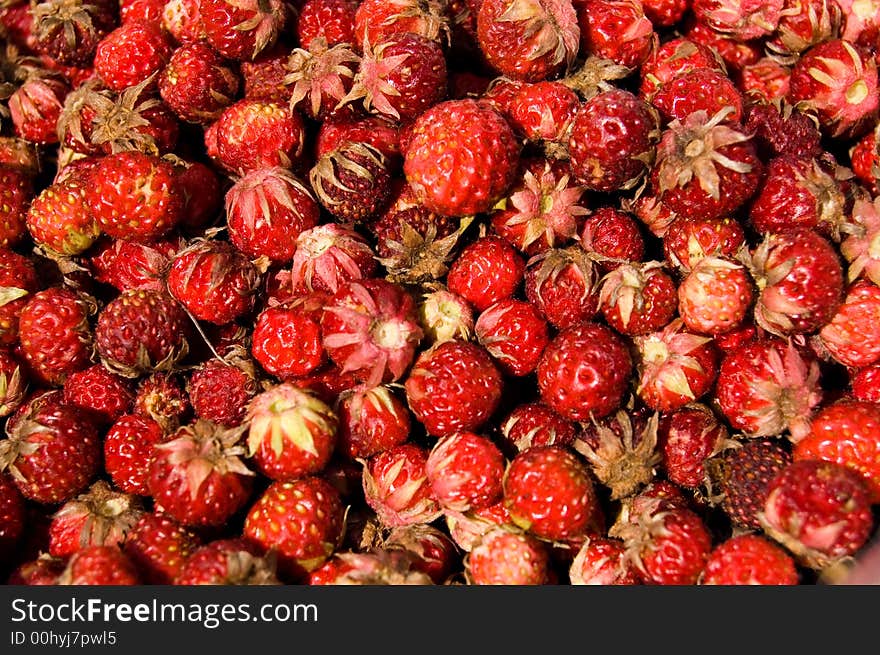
(734, 52)
(43, 570)
(182, 20)
(614, 236)
(445, 315)
(130, 265)
(54, 334)
(99, 565)
(543, 111)
(286, 340)
(149, 11)
(102, 393)
(798, 193)
(12, 513)
(291, 432)
(134, 196)
(535, 424)
(220, 390)
(370, 327)
(373, 130)
(705, 167)
(231, 561)
(162, 397)
(332, 20)
(688, 240)
(674, 366)
(141, 331)
(865, 383)
(18, 279)
(52, 452)
(159, 546)
(766, 387)
(514, 333)
(352, 181)
(562, 283)
(688, 437)
(13, 383)
(17, 191)
(128, 446)
(242, 30)
(851, 336)
(198, 476)
(399, 77)
(638, 298)
(69, 32)
(864, 157)
(302, 520)
(617, 30)
(800, 279)
(251, 134)
(466, 529)
(701, 89)
(781, 129)
(819, 510)
(506, 557)
(715, 296)
(329, 255)
(652, 212)
(584, 371)
(431, 550)
(666, 13)
(98, 516)
(486, 271)
(59, 219)
(197, 83)
(740, 21)
(837, 81)
(131, 53)
(35, 107)
(317, 79)
(529, 41)
(612, 140)
(621, 450)
(749, 559)
(375, 20)
(453, 386)
(549, 493)
(371, 420)
(378, 566)
(674, 58)
(213, 280)
(858, 248)
(601, 561)
(665, 546)
(804, 24)
(461, 157)
(202, 195)
(843, 432)
(465, 472)
(263, 77)
(766, 79)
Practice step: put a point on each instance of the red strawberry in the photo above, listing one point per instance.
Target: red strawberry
(461, 157)
(865, 383)
(674, 58)
(820, 511)
(12, 516)
(856, 247)
(617, 30)
(182, 20)
(131, 53)
(614, 236)
(44, 570)
(291, 432)
(432, 551)
(35, 107)
(529, 41)
(749, 559)
(453, 386)
(445, 315)
(316, 79)
(465, 472)
(233, 561)
(302, 520)
(198, 476)
(514, 333)
(69, 32)
(352, 181)
(55, 335)
(780, 128)
(638, 298)
(844, 432)
(666, 13)
(128, 447)
(743, 21)
(59, 220)
(286, 340)
(602, 561)
(134, 196)
(102, 393)
(371, 420)
(197, 83)
(396, 486)
(701, 89)
(715, 297)
(158, 546)
(486, 271)
(376, 20)
(53, 451)
(766, 386)
(162, 397)
(13, 383)
(242, 30)
(129, 265)
(612, 140)
(688, 240)
(505, 557)
(851, 336)
(99, 565)
(535, 424)
(220, 391)
(562, 283)
(202, 195)
(543, 111)
(766, 79)
(98, 516)
(688, 437)
(332, 20)
(141, 331)
(378, 566)
(373, 130)
(18, 278)
(584, 371)
(549, 493)
(734, 52)
(329, 255)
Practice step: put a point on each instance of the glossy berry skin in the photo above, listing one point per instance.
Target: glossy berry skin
(302, 520)
(395, 485)
(131, 53)
(535, 424)
(852, 335)
(673, 58)
(845, 432)
(515, 334)
(102, 393)
(130, 265)
(819, 510)
(286, 340)
(197, 83)
(486, 271)
(370, 421)
(230, 561)
(701, 89)
(159, 546)
(617, 30)
(636, 299)
(262, 25)
(749, 559)
(453, 386)
(602, 561)
(221, 391)
(584, 371)
(12, 515)
(614, 235)
(461, 157)
(332, 20)
(715, 296)
(612, 136)
(99, 565)
(59, 220)
(128, 447)
(687, 241)
(670, 547)
(687, 438)
(548, 492)
(563, 284)
(19, 275)
(465, 471)
(543, 111)
(505, 557)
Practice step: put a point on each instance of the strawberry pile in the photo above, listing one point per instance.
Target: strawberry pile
(439, 291)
